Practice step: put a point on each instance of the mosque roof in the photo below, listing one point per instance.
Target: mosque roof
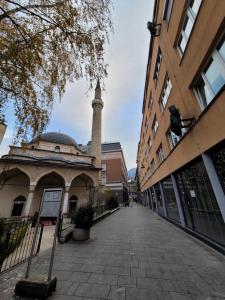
(56, 137)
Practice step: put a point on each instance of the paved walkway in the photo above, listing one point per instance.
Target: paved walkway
(133, 255)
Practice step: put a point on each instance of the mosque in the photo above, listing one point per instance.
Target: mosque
(52, 160)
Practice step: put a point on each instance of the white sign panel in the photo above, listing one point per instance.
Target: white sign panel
(51, 203)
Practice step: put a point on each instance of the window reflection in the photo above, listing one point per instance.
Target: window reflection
(201, 210)
(171, 204)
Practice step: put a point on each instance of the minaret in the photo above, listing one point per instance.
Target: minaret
(96, 140)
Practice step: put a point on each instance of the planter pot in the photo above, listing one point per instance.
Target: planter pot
(80, 234)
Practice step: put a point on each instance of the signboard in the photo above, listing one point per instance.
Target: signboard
(51, 203)
(192, 193)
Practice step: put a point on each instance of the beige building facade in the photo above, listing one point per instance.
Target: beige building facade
(182, 177)
(52, 160)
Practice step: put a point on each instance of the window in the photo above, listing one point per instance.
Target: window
(152, 166)
(167, 9)
(155, 125)
(160, 154)
(18, 206)
(150, 102)
(146, 122)
(199, 203)
(149, 143)
(157, 64)
(103, 167)
(212, 79)
(173, 139)
(57, 148)
(165, 94)
(188, 24)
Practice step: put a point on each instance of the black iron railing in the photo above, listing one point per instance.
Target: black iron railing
(16, 236)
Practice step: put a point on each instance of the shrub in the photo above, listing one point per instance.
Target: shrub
(83, 217)
(111, 203)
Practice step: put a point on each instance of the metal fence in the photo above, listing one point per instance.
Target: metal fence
(16, 236)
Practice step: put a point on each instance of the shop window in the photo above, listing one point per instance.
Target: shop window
(218, 158)
(201, 210)
(188, 24)
(18, 206)
(170, 199)
(157, 64)
(212, 79)
(165, 94)
(159, 199)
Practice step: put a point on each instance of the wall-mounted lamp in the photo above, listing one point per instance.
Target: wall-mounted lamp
(154, 28)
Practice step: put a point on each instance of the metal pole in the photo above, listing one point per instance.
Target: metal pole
(54, 242)
(34, 240)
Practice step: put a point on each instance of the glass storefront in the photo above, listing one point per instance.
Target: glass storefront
(171, 204)
(200, 207)
(149, 199)
(218, 159)
(153, 198)
(159, 199)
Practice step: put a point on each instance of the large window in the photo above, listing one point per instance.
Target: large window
(159, 199)
(188, 24)
(218, 158)
(165, 94)
(173, 139)
(157, 64)
(160, 154)
(155, 125)
(201, 209)
(167, 10)
(212, 79)
(171, 203)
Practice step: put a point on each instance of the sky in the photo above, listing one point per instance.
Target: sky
(127, 56)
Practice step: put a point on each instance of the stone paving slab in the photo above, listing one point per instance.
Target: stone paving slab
(132, 255)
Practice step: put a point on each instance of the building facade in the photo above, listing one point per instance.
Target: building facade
(182, 177)
(114, 170)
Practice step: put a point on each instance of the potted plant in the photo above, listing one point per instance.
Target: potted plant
(83, 220)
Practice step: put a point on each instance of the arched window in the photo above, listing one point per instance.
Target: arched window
(57, 148)
(72, 204)
(18, 206)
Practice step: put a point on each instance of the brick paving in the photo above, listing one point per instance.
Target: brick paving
(132, 255)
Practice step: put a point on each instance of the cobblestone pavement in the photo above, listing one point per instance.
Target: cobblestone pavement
(133, 255)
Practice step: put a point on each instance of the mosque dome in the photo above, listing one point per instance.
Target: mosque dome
(56, 138)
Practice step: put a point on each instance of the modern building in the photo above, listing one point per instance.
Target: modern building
(114, 175)
(182, 177)
(114, 170)
(52, 160)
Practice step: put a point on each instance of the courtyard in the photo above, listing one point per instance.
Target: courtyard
(135, 255)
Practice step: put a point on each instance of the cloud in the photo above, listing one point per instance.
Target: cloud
(127, 59)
